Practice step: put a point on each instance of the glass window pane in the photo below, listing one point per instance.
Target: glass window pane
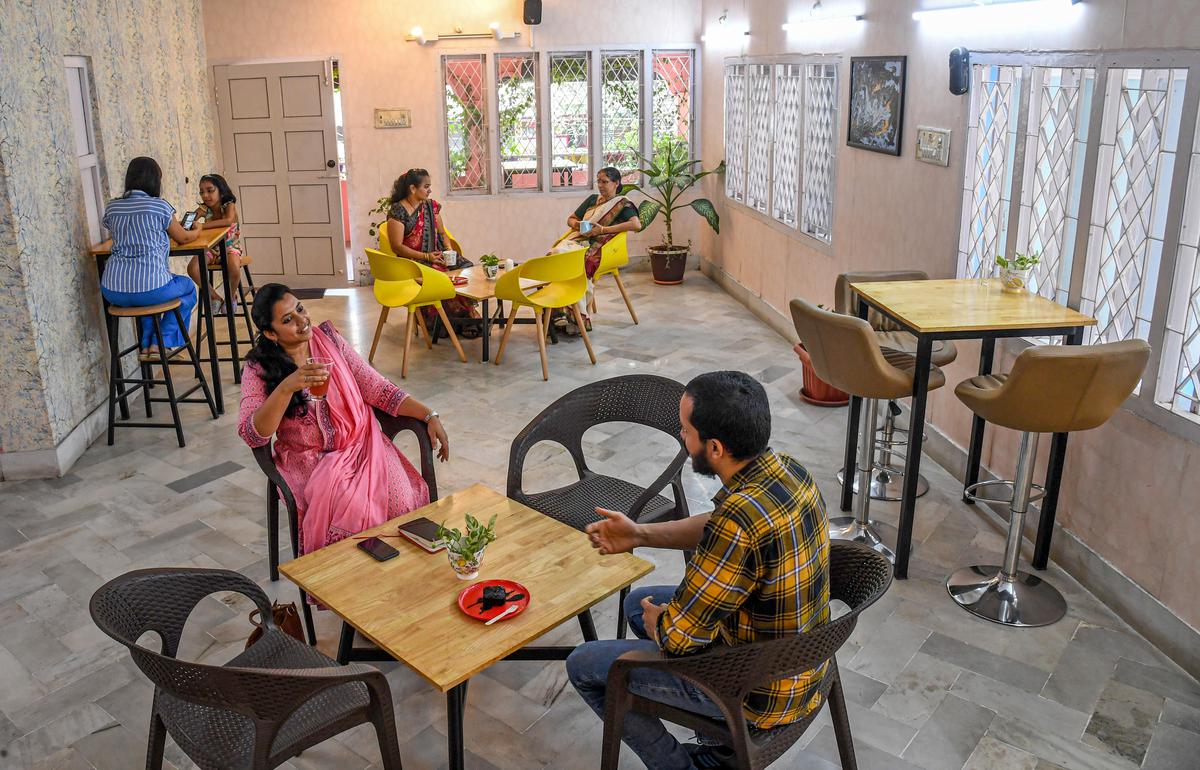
(671, 97)
(517, 119)
(621, 111)
(570, 119)
(466, 122)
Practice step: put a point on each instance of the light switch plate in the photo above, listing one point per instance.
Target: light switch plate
(933, 145)
(393, 118)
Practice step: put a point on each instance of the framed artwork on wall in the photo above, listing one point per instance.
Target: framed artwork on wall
(877, 103)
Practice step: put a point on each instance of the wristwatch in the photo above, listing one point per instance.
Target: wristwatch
(430, 416)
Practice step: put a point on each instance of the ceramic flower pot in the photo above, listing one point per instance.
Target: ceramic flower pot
(491, 271)
(668, 263)
(466, 566)
(1015, 281)
(817, 391)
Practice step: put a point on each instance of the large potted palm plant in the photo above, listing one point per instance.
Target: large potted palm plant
(669, 175)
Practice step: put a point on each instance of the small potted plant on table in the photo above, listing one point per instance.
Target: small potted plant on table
(465, 551)
(491, 266)
(1014, 273)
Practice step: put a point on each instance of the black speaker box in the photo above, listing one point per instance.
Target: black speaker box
(960, 71)
(533, 12)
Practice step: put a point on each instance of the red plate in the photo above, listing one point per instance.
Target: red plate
(470, 600)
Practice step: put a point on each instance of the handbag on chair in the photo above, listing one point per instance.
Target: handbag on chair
(286, 617)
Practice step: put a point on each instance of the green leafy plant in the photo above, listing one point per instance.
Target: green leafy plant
(378, 215)
(475, 539)
(489, 259)
(670, 174)
(1020, 261)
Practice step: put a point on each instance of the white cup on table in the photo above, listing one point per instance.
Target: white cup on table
(450, 257)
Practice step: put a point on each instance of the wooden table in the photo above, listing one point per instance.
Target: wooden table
(481, 289)
(407, 605)
(206, 240)
(958, 309)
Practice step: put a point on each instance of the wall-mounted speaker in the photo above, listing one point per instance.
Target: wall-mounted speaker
(960, 71)
(533, 12)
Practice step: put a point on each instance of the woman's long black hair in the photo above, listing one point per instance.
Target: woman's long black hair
(276, 364)
(218, 181)
(404, 182)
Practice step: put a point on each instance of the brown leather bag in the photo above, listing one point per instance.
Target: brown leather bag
(286, 617)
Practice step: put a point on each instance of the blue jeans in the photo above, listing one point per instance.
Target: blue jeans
(180, 287)
(588, 668)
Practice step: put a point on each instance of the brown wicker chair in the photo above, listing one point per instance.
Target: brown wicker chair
(857, 576)
(645, 399)
(264, 706)
(277, 486)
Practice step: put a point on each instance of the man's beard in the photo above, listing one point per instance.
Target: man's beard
(701, 465)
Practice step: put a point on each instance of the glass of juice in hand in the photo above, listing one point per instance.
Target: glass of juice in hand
(318, 391)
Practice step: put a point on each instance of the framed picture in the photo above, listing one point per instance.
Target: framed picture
(877, 103)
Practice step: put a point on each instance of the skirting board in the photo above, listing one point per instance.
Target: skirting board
(1143, 612)
(56, 462)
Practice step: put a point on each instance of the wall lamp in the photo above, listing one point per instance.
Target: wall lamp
(725, 32)
(417, 35)
(818, 18)
(999, 11)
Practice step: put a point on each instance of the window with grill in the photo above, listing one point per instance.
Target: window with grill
(1102, 160)
(621, 111)
(570, 119)
(781, 129)
(464, 86)
(517, 121)
(671, 97)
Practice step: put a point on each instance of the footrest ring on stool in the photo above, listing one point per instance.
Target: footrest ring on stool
(1037, 492)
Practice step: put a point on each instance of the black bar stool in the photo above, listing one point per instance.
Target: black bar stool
(233, 307)
(118, 386)
(1051, 389)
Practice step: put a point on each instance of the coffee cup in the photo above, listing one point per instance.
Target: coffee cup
(450, 257)
(509, 264)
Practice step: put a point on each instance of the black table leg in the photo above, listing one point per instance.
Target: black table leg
(345, 643)
(912, 462)
(848, 462)
(1054, 471)
(456, 704)
(987, 350)
(229, 317)
(487, 331)
(210, 331)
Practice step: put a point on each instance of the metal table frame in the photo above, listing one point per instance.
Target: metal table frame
(1073, 335)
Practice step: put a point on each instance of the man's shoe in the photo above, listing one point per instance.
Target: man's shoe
(710, 757)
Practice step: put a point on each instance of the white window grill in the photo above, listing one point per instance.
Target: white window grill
(517, 121)
(820, 141)
(467, 155)
(789, 122)
(671, 97)
(735, 132)
(570, 119)
(758, 144)
(621, 111)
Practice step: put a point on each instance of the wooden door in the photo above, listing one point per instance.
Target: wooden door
(279, 146)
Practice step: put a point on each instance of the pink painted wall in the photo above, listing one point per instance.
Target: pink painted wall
(1131, 489)
(380, 69)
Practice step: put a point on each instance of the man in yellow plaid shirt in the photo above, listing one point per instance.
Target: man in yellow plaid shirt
(759, 571)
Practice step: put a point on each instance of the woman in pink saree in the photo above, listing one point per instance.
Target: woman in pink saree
(345, 474)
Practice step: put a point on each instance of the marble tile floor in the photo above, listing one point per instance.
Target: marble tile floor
(929, 686)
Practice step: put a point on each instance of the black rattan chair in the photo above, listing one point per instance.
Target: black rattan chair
(644, 399)
(857, 576)
(277, 486)
(266, 705)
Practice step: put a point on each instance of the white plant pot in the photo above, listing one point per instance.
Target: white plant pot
(1015, 281)
(491, 271)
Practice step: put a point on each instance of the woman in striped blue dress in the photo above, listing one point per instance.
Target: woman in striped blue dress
(138, 274)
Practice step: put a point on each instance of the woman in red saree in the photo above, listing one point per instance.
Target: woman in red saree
(346, 476)
(415, 231)
(605, 214)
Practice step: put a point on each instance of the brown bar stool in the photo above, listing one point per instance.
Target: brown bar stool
(846, 353)
(1051, 389)
(887, 479)
(117, 386)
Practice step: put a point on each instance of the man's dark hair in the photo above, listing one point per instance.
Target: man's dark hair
(731, 407)
(143, 174)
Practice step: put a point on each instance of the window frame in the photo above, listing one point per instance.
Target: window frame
(89, 165)
(539, 121)
(1142, 403)
(645, 53)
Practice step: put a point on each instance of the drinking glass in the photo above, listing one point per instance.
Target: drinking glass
(317, 392)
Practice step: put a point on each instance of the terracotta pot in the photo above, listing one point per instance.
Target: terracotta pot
(817, 391)
(668, 264)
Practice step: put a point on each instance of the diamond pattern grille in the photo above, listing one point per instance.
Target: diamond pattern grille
(735, 132)
(570, 119)
(466, 122)
(671, 96)
(820, 132)
(990, 141)
(1133, 184)
(789, 100)
(758, 148)
(517, 120)
(621, 116)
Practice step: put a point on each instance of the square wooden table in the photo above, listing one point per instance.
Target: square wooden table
(482, 289)
(958, 309)
(408, 606)
(205, 240)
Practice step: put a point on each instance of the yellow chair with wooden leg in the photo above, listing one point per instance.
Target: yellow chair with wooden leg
(404, 283)
(613, 256)
(566, 284)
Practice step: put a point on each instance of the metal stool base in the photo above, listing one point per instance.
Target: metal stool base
(1025, 602)
(849, 528)
(887, 483)
(969, 493)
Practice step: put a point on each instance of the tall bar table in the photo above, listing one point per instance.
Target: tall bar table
(959, 309)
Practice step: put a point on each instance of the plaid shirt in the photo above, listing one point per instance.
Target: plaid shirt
(761, 572)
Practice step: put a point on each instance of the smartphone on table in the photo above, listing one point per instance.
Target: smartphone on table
(379, 550)
(188, 220)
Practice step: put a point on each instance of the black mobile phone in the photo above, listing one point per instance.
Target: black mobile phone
(188, 219)
(379, 550)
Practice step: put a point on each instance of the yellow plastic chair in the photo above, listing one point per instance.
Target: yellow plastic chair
(566, 285)
(404, 283)
(613, 256)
